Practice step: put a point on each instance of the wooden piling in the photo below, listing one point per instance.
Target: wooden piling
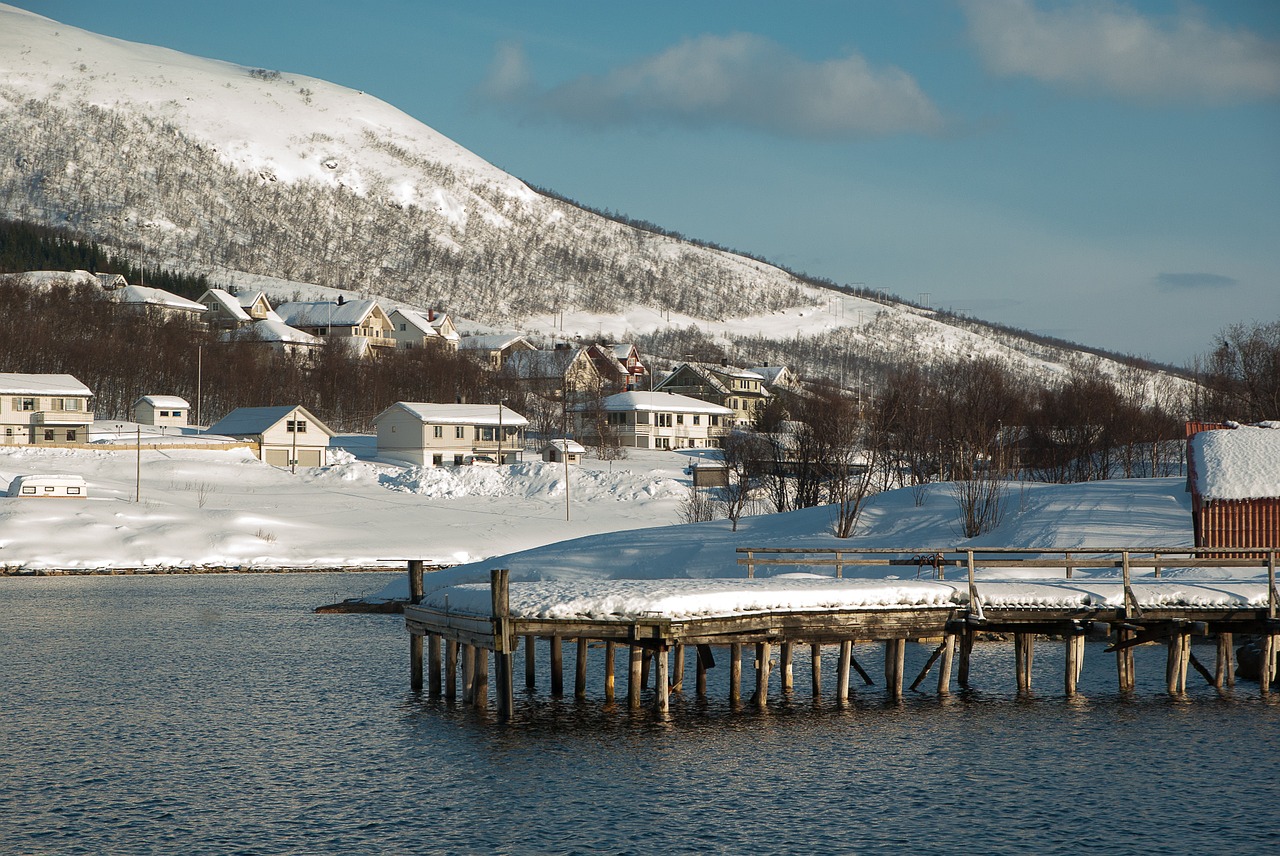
(609, 652)
(1223, 674)
(433, 665)
(530, 663)
(468, 673)
(633, 677)
(842, 672)
(503, 656)
(580, 672)
(1024, 647)
(764, 651)
(735, 673)
(784, 668)
(480, 697)
(677, 677)
(1124, 659)
(966, 656)
(1071, 669)
(645, 668)
(451, 669)
(662, 699)
(557, 666)
(895, 654)
(815, 665)
(944, 668)
(415, 662)
(1267, 663)
(700, 672)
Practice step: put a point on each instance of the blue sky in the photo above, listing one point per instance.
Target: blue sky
(1107, 172)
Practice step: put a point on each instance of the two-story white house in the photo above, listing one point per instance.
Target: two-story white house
(286, 436)
(655, 420)
(449, 434)
(36, 409)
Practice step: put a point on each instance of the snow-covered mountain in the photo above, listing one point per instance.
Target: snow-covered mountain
(246, 174)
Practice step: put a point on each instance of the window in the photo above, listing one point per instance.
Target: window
(296, 426)
(28, 490)
(487, 435)
(48, 434)
(437, 460)
(460, 433)
(715, 421)
(697, 419)
(438, 433)
(642, 418)
(71, 435)
(164, 413)
(679, 418)
(402, 329)
(73, 491)
(8, 432)
(457, 459)
(24, 404)
(664, 420)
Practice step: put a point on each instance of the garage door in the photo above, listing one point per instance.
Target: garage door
(277, 457)
(309, 458)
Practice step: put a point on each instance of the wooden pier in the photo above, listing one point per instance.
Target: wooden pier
(1151, 611)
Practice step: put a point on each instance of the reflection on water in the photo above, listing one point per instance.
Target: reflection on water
(217, 715)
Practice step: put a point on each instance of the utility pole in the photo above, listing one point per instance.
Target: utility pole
(137, 492)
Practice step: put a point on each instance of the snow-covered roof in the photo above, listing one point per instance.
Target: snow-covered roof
(227, 301)
(272, 330)
(705, 374)
(326, 313)
(12, 383)
(146, 295)
(492, 342)
(541, 364)
(1237, 463)
(165, 401)
(769, 374)
(573, 447)
(246, 421)
(662, 401)
(458, 414)
(417, 320)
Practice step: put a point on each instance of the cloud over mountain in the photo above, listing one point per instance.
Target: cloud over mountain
(739, 79)
(1111, 48)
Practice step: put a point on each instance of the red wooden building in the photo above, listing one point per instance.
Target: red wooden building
(1234, 479)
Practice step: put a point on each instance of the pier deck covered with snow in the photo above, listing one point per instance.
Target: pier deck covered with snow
(655, 618)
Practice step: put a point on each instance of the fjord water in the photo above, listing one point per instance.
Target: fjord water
(217, 714)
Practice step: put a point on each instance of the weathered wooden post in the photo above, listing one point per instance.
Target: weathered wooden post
(735, 673)
(1124, 659)
(645, 664)
(633, 677)
(677, 678)
(842, 672)
(944, 668)
(580, 672)
(530, 663)
(1222, 673)
(784, 668)
(557, 666)
(433, 665)
(480, 698)
(1023, 654)
(764, 651)
(415, 639)
(609, 650)
(468, 674)
(966, 656)
(503, 656)
(451, 669)
(895, 654)
(1074, 644)
(662, 699)
(700, 670)
(815, 663)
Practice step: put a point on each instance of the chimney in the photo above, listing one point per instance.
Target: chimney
(341, 300)
(724, 361)
(431, 315)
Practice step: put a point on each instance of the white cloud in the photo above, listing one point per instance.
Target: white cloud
(744, 80)
(1110, 47)
(509, 79)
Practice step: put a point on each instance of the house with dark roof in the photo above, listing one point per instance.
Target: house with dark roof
(286, 436)
(739, 390)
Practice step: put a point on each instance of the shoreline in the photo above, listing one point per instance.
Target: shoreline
(177, 570)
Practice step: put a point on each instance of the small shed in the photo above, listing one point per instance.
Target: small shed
(709, 474)
(556, 451)
(165, 410)
(1234, 479)
(286, 436)
(49, 486)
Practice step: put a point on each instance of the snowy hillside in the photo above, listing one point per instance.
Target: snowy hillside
(259, 176)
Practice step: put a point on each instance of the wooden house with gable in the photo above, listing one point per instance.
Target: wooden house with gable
(1234, 478)
(739, 390)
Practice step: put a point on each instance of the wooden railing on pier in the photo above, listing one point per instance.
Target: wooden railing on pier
(650, 638)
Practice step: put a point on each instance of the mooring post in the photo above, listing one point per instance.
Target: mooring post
(784, 668)
(1174, 682)
(1024, 653)
(842, 671)
(451, 669)
(645, 668)
(415, 639)
(1124, 659)
(895, 651)
(1071, 671)
(815, 665)
(944, 668)
(677, 677)
(580, 672)
(480, 698)
(700, 669)
(530, 663)
(662, 699)
(609, 650)
(966, 655)
(468, 674)
(433, 665)
(633, 677)
(503, 656)
(1222, 666)
(1267, 663)
(764, 651)
(735, 673)
(557, 666)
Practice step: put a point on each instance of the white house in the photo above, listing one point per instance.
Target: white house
(285, 435)
(494, 349)
(449, 434)
(655, 420)
(561, 450)
(166, 410)
(361, 320)
(43, 408)
(412, 329)
(144, 297)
